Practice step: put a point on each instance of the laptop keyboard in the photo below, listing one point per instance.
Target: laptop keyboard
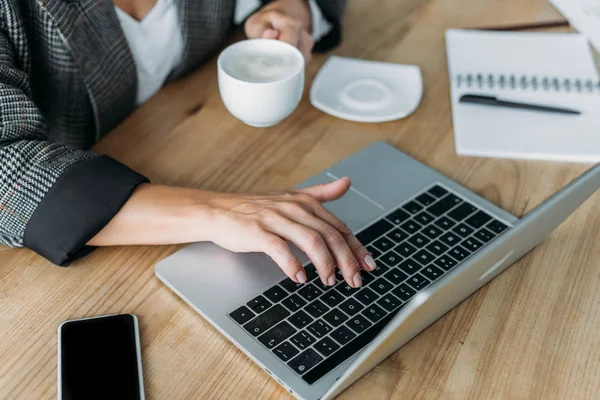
(313, 328)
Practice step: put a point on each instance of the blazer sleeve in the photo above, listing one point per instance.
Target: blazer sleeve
(333, 11)
(53, 199)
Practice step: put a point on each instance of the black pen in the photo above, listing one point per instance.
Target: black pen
(495, 102)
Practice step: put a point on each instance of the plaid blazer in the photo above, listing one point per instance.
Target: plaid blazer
(67, 77)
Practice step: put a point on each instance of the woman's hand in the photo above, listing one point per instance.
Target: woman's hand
(286, 20)
(267, 222)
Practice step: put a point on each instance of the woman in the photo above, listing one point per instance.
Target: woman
(70, 70)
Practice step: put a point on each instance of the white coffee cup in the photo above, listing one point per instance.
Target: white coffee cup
(259, 96)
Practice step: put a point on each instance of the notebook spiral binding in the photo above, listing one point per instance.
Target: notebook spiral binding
(523, 82)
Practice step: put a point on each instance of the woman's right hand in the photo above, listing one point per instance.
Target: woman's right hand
(267, 222)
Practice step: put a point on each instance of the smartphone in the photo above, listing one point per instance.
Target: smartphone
(100, 358)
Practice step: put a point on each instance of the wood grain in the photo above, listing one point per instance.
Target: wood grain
(532, 333)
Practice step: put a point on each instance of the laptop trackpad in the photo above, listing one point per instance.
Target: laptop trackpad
(356, 209)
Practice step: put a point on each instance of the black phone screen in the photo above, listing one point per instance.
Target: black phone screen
(99, 359)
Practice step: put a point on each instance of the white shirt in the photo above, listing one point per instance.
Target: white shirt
(156, 42)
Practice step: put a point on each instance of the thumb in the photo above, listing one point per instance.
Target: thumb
(328, 191)
(270, 34)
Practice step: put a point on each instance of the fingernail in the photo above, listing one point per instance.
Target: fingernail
(301, 276)
(370, 262)
(331, 280)
(357, 279)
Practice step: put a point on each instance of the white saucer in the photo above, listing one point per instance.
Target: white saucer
(366, 91)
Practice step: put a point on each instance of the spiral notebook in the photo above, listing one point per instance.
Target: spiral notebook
(553, 69)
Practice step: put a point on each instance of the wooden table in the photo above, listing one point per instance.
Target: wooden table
(533, 332)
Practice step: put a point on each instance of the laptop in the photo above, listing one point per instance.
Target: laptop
(434, 241)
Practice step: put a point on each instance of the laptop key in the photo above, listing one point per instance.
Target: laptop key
(397, 235)
(335, 317)
(266, 320)
(305, 361)
(459, 253)
(290, 285)
(461, 212)
(463, 230)
(444, 205)
(496, 226)
(346, 289)
(426, 199)
(398, 216)
(367, 277)
(418, 281)
(300, 319)
(381, 286)
(259, 304)
(450, 239)
(411, 226)
(374, 313)
(332, 298)
(374, 231)
(424, 218)
(294, 303)
(412, 207)
(409, 266)
(374, 252)
(432, 231)
(424, 257)
(405, 249)
(445, 223)
(285, 351)
(311, 272)
(446, 262)
(419, 241)
(358, 324)
(484, 235)
(404, 292)
(471, 244)
(432, 273)
(326, 347)
(437, 191)
(316, 308)
(275, 294)
(319, 328)
(381, 269)
(276, 334)
(389, 302)
(309, 292)
(478, 220)
(391, 258)
(242, 315)
(366, 296)
(302, 340)
(321, 286)
(395, 276)
(351, 307)
(437, 248)
(343, 335)
(383, 244)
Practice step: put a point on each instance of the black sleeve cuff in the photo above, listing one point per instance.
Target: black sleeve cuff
(334, 37)
(80, 203)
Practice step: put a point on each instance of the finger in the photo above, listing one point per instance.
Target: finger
(343, 256)
(308, 240)
(306, 45)
(328, 191)
(256, 26)
(277, 248)
(270, 34)
(358, 249)
(290, 33)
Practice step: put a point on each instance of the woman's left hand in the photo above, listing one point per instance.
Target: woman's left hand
(286, 20)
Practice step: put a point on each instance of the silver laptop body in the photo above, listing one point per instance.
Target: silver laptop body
(215, 282)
